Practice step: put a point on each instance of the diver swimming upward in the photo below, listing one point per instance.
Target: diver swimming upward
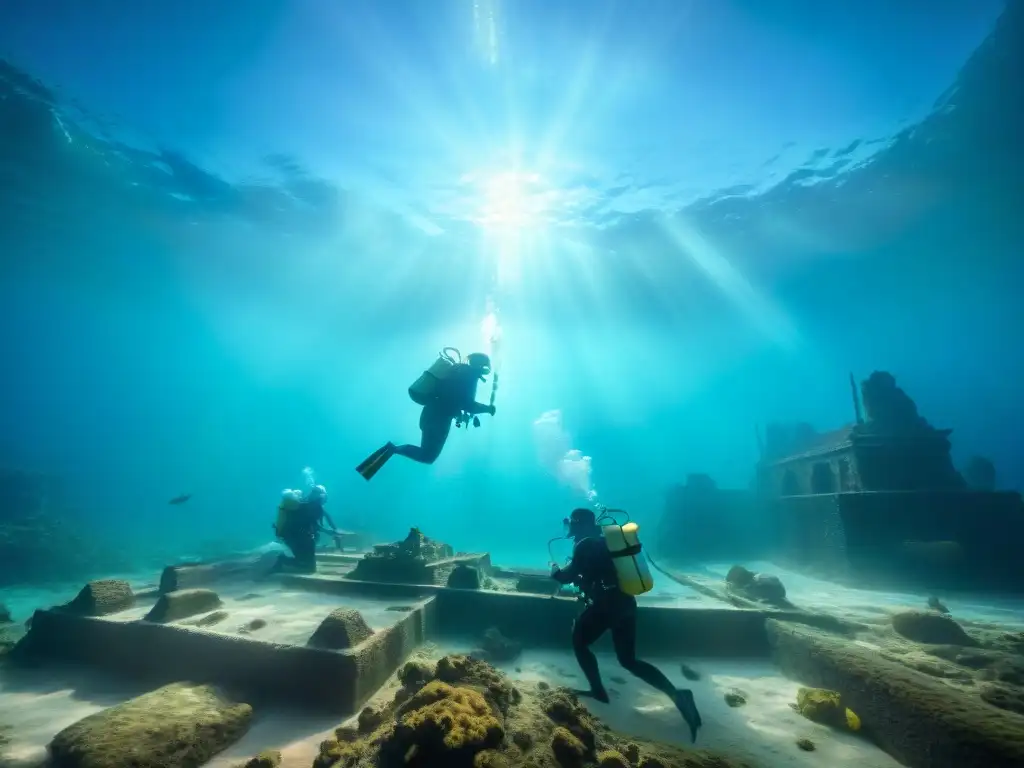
(447, 393)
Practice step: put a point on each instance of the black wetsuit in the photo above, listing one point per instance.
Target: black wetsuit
(459, 396)
(300, 535)
(608, 608)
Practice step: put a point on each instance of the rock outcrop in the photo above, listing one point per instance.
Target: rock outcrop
(465, 714)
(177, 726)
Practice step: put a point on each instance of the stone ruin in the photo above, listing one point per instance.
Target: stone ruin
(418, 559)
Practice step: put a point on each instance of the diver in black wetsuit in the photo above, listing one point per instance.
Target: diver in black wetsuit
(609, 608)
(299, 527)
(447, 400)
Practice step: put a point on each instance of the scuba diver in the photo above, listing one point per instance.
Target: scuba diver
(447, 393)
(593, 570)
(299, 523)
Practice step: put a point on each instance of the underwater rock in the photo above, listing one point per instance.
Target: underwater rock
(1004, 697)
(252, 626)
(5, 615)
(477, 718)
(343, 628)
(102, 597)
(689, 672)
(735, 699)
(370, 719)
(183, 603)
(569, 750)
(177, 726)
(930, 627)
(756, 586)
(936, 605)
(269, 758)
(208, 621)
(612, 759)
(806, 745)
(826, 708)
(901, 708)
(935, 667)
(496, 648)
(464, 577)
(445, 725)
(415, 674)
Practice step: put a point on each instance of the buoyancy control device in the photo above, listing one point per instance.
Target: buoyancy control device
(428, 387)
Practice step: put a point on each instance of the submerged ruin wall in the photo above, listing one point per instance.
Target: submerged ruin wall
(951, 539)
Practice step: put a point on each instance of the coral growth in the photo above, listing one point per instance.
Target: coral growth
(826, 707)
(465, 714)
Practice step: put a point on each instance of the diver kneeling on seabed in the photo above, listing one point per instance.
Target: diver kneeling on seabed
(300, 521)
(447, 393)
(609, 570)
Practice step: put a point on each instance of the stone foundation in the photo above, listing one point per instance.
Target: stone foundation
(931, 539)
(920, 721)
(336, 681)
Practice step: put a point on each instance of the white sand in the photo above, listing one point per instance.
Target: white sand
(809, 592)
(38, 704)
(764, 731)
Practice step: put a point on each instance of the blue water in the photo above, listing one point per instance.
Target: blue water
(232, 235)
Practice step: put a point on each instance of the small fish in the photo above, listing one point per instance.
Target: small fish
(179, 500)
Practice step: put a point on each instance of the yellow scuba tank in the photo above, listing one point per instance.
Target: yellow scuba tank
(289, 503)
(428, 386)
(630, 566)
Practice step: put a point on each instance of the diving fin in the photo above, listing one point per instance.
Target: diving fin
(375, 461)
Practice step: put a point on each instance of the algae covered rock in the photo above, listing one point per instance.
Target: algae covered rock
(447, 725)
(414, 675)
(826, 707)
(1003, 696)
(469, 715)
(102, 597)
(183, 603)
(343, 628)
(177, 726)
(930, 627)
(269, 758)
(756, 586)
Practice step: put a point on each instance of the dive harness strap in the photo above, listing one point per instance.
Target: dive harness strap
(628, 551)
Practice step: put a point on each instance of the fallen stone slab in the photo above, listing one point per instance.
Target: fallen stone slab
(920, 721)
(183, 603)
(102, 597)
(177, 726)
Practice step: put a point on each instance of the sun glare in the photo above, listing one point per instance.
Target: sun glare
(512, 201)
